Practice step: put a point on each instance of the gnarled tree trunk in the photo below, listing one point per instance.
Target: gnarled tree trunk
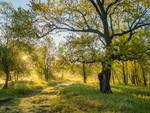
(104, 78)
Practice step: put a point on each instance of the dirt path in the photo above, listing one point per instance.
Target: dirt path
(38, 103)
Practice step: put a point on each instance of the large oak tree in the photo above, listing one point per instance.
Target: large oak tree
(109, 19)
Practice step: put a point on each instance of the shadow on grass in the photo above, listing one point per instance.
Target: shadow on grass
(88, 99)
(134, 90)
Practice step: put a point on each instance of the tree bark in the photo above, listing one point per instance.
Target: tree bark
(16, 77)
(126, 65)
(144, 77)
(124, 74)
(133, 74)
(84, 73)
(136, 75)
(46, 74)
(104, 78)
(113, 78)
(62, 75)
(6, 81)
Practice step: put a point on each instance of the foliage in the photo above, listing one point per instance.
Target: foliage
(21, 24)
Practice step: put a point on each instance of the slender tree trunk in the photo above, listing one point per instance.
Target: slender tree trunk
(113, 78)
(135, 74)
(126, 65)
(104, 78)
(62, 75)
(117, 77)
(123, 72)
(6, 81)
(84, 73)
(144, 77)
(46, 64)
(17, 78)
(46, 74)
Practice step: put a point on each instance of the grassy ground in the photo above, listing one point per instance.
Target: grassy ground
(67, 97)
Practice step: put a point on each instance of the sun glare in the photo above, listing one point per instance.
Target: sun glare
(24, 57)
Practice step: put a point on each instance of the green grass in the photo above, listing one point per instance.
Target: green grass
(76, 98)
(125, 99)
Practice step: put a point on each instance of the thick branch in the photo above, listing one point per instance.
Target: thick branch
(95, 6)
(111, 24)
(130, 30)
(110, 5)
(84, 61)
(80, 30)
